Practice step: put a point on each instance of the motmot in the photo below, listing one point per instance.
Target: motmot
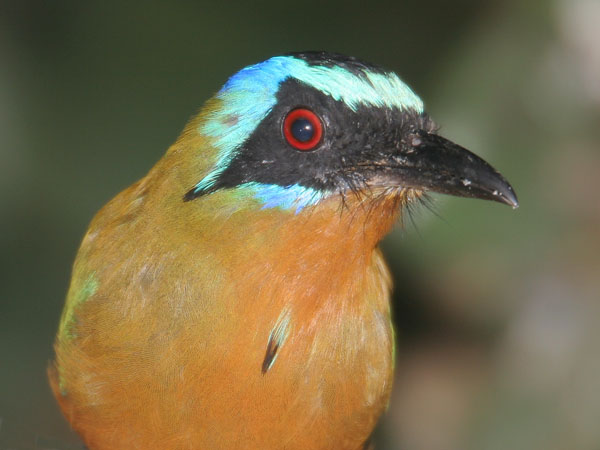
(235, 297)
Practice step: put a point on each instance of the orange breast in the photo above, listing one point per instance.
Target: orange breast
(225, 329)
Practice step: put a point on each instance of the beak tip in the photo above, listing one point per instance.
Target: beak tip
(507, 196)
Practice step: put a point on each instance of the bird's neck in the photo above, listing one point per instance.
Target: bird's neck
(326, 248)
(335, 234)
(323, 252)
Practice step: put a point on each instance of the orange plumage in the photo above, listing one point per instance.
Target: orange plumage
(220, 323)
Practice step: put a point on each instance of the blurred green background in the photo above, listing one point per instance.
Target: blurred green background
(498, 311)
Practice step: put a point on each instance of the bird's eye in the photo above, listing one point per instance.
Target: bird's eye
(302, 129)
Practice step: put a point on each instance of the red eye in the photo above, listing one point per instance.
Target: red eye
(302, 129)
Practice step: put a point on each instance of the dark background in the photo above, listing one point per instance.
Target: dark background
(498, 311)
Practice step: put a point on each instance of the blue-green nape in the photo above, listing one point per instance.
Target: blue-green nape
(250, 95)
(82, 288)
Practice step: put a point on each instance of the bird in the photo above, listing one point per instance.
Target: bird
(236, 297)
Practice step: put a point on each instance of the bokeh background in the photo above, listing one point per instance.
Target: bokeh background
(498, 311)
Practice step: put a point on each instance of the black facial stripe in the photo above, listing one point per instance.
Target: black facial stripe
(352, 141)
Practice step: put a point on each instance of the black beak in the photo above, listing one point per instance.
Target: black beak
(430, 162)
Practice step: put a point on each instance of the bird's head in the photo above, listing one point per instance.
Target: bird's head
(296, 130)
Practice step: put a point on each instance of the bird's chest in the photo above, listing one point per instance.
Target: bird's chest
(317, 367)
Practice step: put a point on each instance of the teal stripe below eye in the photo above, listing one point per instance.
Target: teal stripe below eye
(294, 197)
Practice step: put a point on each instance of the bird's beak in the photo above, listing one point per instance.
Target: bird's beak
(430, 162)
